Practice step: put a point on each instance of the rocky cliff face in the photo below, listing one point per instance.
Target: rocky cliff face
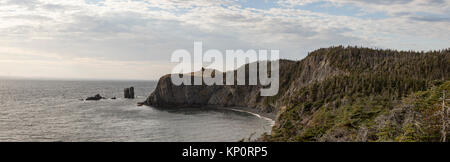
(167, 94)
(319, 94)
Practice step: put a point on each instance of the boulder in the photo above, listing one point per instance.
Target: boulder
(95, 98)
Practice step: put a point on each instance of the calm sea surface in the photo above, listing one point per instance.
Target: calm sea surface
(52, 111)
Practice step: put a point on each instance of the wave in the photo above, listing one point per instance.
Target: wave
(272, 122)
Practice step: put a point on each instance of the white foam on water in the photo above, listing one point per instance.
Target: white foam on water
(272, 122)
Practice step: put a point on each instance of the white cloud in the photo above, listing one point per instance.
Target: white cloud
(121, 38)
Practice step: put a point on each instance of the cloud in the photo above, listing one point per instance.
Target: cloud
(143, 32)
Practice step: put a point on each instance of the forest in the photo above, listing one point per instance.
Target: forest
(363, 94)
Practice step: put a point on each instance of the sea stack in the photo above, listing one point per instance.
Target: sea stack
(129, 93)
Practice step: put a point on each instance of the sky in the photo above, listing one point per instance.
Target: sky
(134, 39)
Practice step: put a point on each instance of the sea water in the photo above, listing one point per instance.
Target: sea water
(50, 110)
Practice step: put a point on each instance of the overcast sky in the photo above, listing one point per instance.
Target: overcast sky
(134, 39)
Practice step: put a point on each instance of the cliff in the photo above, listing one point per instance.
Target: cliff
(334, 94)
(167, 94)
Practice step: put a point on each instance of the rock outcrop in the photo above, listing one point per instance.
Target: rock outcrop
(129, 93)
(167, 94)
(95, 98)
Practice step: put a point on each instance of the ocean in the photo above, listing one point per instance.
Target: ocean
(50, 110)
